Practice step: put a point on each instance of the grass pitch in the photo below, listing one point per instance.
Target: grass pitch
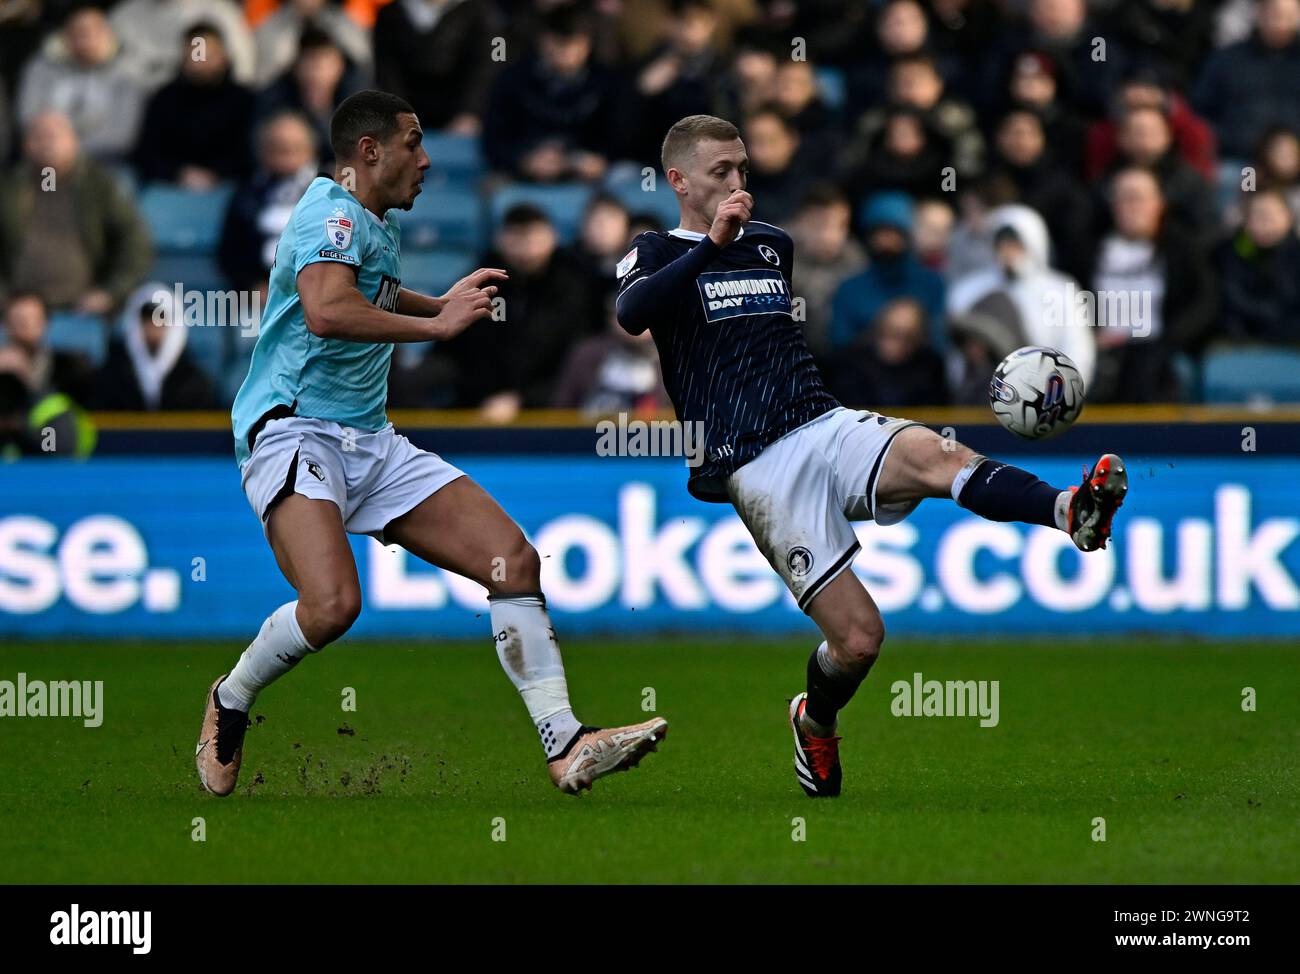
(439, 759)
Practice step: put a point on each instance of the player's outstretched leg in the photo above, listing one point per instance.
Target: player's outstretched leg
(462, 529)
(311, 547)
(854, 631)
(923, 464)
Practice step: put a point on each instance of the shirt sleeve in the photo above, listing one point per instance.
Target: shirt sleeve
(647, 286)
(329, 230)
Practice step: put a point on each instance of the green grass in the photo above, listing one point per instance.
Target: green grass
(1149, 735)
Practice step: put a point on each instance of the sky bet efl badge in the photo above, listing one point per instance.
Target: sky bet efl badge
(339, 230)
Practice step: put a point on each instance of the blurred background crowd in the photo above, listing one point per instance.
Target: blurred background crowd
(1116, 178)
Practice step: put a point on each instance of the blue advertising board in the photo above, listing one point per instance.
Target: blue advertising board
(169, 547)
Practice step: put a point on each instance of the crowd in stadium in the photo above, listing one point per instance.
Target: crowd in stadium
(1117, 178)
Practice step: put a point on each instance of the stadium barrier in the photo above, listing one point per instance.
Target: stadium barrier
(166, 545)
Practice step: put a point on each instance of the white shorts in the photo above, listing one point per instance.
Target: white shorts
(371, 477)
(800, 494)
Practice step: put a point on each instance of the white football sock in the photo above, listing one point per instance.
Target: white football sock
(1063, 509)
(526, 646)
(278, 648)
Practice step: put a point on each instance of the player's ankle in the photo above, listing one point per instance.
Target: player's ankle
(814, 729)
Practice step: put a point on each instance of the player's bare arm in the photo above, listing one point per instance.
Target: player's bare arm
(428, 306)
(334, 308)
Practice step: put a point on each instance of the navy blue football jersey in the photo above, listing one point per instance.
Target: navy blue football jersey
(733, 357)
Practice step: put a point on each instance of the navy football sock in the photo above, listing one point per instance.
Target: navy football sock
(1001, 492)
(829, 687)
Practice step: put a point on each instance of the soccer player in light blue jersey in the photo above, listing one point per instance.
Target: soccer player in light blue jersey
(319, 459)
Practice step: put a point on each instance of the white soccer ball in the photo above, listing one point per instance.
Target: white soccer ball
(1036, 392)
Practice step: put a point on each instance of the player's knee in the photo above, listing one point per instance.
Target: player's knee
(860, 644)
(518, 569)
(330, 613)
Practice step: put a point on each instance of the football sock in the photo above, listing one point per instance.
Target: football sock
(830, 688)
(1001, 492)
(278, 648)
(529, 654)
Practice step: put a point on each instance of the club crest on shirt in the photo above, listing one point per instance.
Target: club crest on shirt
(338, 229)
(626, 264)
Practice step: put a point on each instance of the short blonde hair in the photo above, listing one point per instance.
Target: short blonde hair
(682, 138)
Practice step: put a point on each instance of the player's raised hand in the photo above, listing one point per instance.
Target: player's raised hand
(732, 214)
(477, 279)
(462, 309)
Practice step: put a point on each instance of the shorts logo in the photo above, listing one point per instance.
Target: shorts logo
(339, 231)
(799, 561)
(769, 255)
(314, 469)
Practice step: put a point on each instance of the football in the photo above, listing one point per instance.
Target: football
(1036, 392)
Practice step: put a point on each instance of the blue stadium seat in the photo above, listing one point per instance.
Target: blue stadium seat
(833, 88)
(433, 271)
(1252, 374)
(192, 271)
(456, 160)
(185, 221)
(443, 218)
(563, 203)
(74, 332)
(625, 183)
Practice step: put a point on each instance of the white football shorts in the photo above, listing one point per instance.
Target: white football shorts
(800, 494)
(371, 477)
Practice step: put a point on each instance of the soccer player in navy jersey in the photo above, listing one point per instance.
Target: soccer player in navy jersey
(797, 466)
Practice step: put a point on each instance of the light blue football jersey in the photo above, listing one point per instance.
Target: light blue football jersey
(324, 378)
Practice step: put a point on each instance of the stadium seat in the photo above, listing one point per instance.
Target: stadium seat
(563, 203)
(831, 83)
(71, 331)
(455, 161)
(443, 218)
(196, 272)
(625, 183)
(185, 221)
(433, 271)
(1252, 374)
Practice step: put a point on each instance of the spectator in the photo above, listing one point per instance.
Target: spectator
(545, 314)
(893, 272)
(154, 32)
(86, 77)
(602, 243)
(195, 131)
(147, 368)
(1154, 294)
(915, 82)
(751, 78)
(277, 37)
(612, 372)
(1047, 302)
(981, 338)
(1145, 140)
(901, 30)
(1193, 139)
(69, 233)
(27, 353)
(1035, 86)
(1062, 30)
(6, 135)
(318, 82)
(1278, 165)
(437, 55)
(891, 365)
(827, 256)
(1025, 160)
(1250, 86)
(1259, 273)
(904, 154)
(1178, 33)
(932, 226)
(550, 115)
(679, 78)
(260, 207)
(797, 95)
(779, 173)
